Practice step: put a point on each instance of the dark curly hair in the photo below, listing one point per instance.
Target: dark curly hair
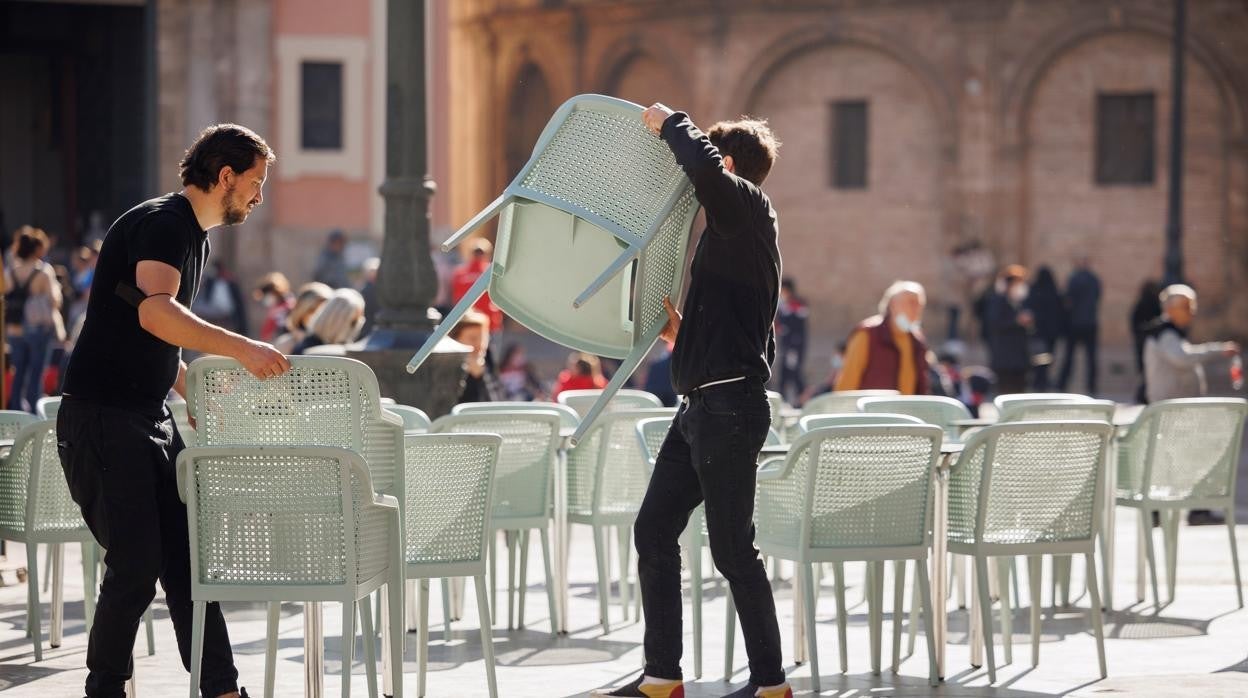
(222, 145)
(751, 144)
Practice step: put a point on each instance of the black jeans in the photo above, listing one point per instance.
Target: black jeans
(1087, 337)
(120, 468)
(710, 455)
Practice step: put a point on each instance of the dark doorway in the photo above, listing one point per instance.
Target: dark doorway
(73, 115)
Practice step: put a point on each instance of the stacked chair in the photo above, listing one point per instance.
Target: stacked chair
(592, 237)
(415, 421)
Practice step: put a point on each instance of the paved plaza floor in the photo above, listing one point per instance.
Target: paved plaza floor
(1197, 646)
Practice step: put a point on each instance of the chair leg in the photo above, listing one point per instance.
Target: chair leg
(1033, 585)
(150, 626)
(370, 644)
(812, 645)
(899, 594)
(1142, 531)
(1171, 537)
(842, 616)
(730, 633)
(1151, 557)
(1107, 563)
(915, 610)
(446, 609)
(1097, 625)
(1230, 529)
(422, 641)
(487, 637)
(523, 587)
(1007, 612)
(694, 548)
(411, 613)
(626, 548)
(960, 570)
(270, 647)
(34, 622)
(492, 547)
(925, 600)
(47, 565)
(550, 581)
(348, 645)
(985, 614)
(199, 610)
(600, 552)
(56, 609)
(513, 540)
(1018, 598)
(875, 614)
(393, 632)
(89, 586)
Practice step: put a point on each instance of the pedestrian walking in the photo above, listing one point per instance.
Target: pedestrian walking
(331, 263)
(117, 440)
(792, 320)
(1009, 326)
(32, 316)
(1083, 301)
(1049, 310)
(724, 349)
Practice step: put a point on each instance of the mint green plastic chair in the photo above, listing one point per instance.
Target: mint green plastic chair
(1182, 454)
(280, 523)
(583, 402)
(568, 418)
(1034, 489)
(13, 421)
(591, 239)
(843, 402)
(415, 421)
(932, 409)
(36, 508)
(47, 407)
(448, 521)
(522, 491)
(607, 478)
(847, 494)
(1004, 402)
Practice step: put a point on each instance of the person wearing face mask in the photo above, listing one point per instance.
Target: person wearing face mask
(887, 351)
(273, 292)
(338, 321)
(1010, 325)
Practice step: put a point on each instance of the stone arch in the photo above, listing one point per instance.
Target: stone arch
(628, 59)
(529, 106)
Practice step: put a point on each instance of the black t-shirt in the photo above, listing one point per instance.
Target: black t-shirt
(116, 361)
(734, 281)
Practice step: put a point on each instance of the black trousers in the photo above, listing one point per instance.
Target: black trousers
(1085, 336)
(710, 455)
(120, 468)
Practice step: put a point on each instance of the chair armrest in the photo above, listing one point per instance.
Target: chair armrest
(385, 500)
(772, 469)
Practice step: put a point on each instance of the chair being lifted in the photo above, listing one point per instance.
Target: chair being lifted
(591, 238)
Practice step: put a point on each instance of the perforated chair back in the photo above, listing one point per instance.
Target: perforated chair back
(841, 402)
(1004, 402)
(1029, 487)
(932, 409)
(651, 434)
(522, 478)
(568, 418)
(607, 472)
(820, 421)
(1059, 410)
(35, 504)
(449, 500)
(47, 407)
(851, 493)
(609, 197)
(1183, 451)
(584, 400)
(284, 523)
(415, 421)
(13, 421)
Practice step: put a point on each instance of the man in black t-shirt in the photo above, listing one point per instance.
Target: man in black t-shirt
(724, 348)
(117, 440)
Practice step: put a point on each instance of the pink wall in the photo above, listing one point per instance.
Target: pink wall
(339, 17)
(318, 202)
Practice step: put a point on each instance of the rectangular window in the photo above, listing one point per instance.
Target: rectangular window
(320, 106)
(1125, 138)
(849, 144)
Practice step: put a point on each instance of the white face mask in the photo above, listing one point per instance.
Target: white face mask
(269, 301)
(1018, 292)
(905, 324)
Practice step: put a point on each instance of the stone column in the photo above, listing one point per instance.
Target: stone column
(407, 282)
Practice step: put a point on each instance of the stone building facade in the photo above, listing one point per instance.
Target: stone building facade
(978, 121)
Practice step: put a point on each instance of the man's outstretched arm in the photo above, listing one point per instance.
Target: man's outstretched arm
(718, 190)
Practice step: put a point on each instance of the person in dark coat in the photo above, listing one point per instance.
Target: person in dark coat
(1045, 303)
(1083, 300)
(1010, 325)
(1144, 314)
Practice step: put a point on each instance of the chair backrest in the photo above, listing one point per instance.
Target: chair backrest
(449, 499)
(776, 401)
(568, 418)
(281, 517)
(652, 433)
(415, 421)
(932, 409)
(1029, 483)
(820, 421)
(840, 402)
(1004, 402)
(48, 406)
(1183, 449)
(13, 421)
(522, 478)
(583, 400)
(182, 421)
(34, 496)
(320, 401)
(864, 488)
(1059, 410)
(607, 471)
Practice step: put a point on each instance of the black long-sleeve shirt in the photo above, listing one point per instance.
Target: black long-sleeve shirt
(734, 284)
